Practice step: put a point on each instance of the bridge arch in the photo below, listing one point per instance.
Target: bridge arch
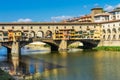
(85, 43)
(40, 34)
(53, 45)
(75, 44)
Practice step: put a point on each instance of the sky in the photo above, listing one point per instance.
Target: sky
(49, 10)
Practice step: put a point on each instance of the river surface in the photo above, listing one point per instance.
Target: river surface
(79, 65)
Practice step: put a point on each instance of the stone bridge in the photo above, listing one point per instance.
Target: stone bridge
(57, 35)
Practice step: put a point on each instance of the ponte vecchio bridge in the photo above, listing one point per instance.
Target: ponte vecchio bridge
(57, 35)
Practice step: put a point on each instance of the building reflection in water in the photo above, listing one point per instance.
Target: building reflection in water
(107, 65)
(31, 67)
(14, 67)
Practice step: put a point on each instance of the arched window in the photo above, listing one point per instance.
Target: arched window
(104, 37)
(119, 37)
(109, 31)
(48, 34)
(114, 37)
(104, 31)
(109, 37)
(40, 34)
(114, 30)
(119, 30)
(32, 34)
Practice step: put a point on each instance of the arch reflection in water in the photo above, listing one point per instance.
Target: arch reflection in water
(33, 66)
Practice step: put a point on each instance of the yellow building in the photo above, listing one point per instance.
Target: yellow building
(10, 35)
(17, 35)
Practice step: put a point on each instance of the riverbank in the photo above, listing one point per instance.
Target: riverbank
(5, 76)
(108, 48)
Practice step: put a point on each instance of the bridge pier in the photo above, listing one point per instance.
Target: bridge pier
(0, 45)
(15, 51)
(63, 45)
(15, 55)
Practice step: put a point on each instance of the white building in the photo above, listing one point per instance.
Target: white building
(115, 14)
(110, 33)
(101, 17)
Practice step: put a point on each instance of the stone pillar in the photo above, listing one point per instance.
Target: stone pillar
(15, 52)
(15, 55)
(63, 45)
(0, 45)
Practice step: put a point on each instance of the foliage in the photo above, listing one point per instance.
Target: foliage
(108, 48)
(5, 76)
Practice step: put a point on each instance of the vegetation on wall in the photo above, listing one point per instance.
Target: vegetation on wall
(108, 48)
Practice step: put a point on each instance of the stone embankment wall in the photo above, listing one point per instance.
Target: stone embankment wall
(109, 43)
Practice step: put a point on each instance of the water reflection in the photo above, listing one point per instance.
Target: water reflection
(3, 54)
(80, 65)
(86, 65)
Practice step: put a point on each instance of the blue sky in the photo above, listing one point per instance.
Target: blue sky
(49, 10)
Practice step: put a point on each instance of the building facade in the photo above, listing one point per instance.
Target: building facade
(115, 14)
(110, 33)
(56, 31)
(101, 17)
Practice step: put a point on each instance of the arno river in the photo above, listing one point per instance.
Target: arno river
(79, 65)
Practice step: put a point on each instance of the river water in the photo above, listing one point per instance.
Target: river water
(77, 65)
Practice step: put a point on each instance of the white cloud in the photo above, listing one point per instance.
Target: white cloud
(58, 18)
(118, 5)
(24, 20)
(111, 7)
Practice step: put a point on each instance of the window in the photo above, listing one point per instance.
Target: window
(104, 37)
(114, 30)
(72, 27)
(114, 37)
(109, 37)
(94, 26)
(109, 31)
(119, 37)
(40, 27)
(12, 27)
(80, 26)
(3, 27)
(0, 34)
(22, 27)
(87, 26)
(57, 27)
(65, 27)
(117, 16)
(118, 29)
(113, 24)
(48, 27)
(31, 27)
(104, 31)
